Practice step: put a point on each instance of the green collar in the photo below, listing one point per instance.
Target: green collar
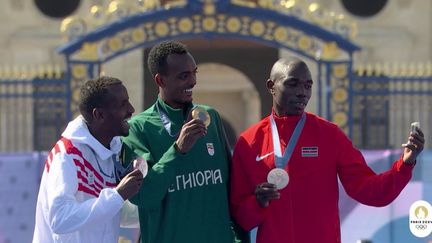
(171, 118)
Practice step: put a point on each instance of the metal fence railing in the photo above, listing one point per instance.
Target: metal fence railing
(32, 113)
(383, 107)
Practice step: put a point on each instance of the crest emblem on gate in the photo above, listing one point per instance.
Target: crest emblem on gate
(210, 149)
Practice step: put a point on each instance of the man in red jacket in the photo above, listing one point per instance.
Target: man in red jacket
(285, 167)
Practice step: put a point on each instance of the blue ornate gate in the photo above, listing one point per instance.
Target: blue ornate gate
(303, 29)
(384, 103)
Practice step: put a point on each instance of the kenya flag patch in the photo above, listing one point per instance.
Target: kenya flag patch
(309, 151)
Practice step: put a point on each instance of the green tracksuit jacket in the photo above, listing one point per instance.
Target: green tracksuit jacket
(184, 197)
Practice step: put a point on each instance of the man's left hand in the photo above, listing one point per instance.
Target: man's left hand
(414, 146)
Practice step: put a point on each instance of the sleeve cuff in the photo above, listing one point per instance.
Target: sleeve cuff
(403, 167)
(174, 151)
(115, 196)
(177, 149)
(251, 215)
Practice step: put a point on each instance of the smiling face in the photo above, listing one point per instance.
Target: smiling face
(290, 84)
(117, 111)
(178, 80)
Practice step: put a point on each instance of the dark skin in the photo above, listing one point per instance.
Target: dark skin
(414, 147)
(130, 184)
(109, 121)
(175, 89)
(290, 85)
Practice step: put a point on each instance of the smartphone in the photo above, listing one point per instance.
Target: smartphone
(415, 126)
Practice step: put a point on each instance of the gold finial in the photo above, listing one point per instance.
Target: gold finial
(395, 69)
(49, 71)
(404, 69)
(57, 71)
(313, 7)
(386, 68)
(378, 69)
(360, 69)
(97, 16)
(41, 71)
(32, 71)
(7, 72)
(369, 69)
(16, 72)
(412, 71)
(73, 27)
(288, 3)
(420, 69)
(24, 72)
(146, 5)
(118, 9)
(316, 13)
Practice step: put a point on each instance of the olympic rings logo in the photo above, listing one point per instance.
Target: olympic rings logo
(421, 226)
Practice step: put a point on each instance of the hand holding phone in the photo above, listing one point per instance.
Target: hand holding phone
(415, 126)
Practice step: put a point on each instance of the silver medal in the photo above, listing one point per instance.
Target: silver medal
(279, 177)
(141, 164)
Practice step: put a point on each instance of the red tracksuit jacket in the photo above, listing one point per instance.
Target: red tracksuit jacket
(307, 211)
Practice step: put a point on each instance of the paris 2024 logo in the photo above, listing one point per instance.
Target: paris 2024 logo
(420, 218)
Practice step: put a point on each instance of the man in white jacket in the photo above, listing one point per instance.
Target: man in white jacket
(83, 187)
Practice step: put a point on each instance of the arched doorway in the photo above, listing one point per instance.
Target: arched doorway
(230, 92)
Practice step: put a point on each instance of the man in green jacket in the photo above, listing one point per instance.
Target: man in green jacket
(184, 197)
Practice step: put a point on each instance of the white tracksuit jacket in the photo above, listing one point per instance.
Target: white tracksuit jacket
(77, 201)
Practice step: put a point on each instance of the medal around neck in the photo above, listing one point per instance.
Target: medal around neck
(203, 115)
(279, 177)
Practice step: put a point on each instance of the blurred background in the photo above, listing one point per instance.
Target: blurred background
(371, 61)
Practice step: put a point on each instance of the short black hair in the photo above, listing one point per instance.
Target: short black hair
(94, 94)
(280, 67)
(158, 55)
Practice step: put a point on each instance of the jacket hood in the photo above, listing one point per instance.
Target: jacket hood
(78, 132)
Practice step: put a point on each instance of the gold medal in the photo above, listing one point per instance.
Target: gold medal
(203, 115)
(279, 177)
